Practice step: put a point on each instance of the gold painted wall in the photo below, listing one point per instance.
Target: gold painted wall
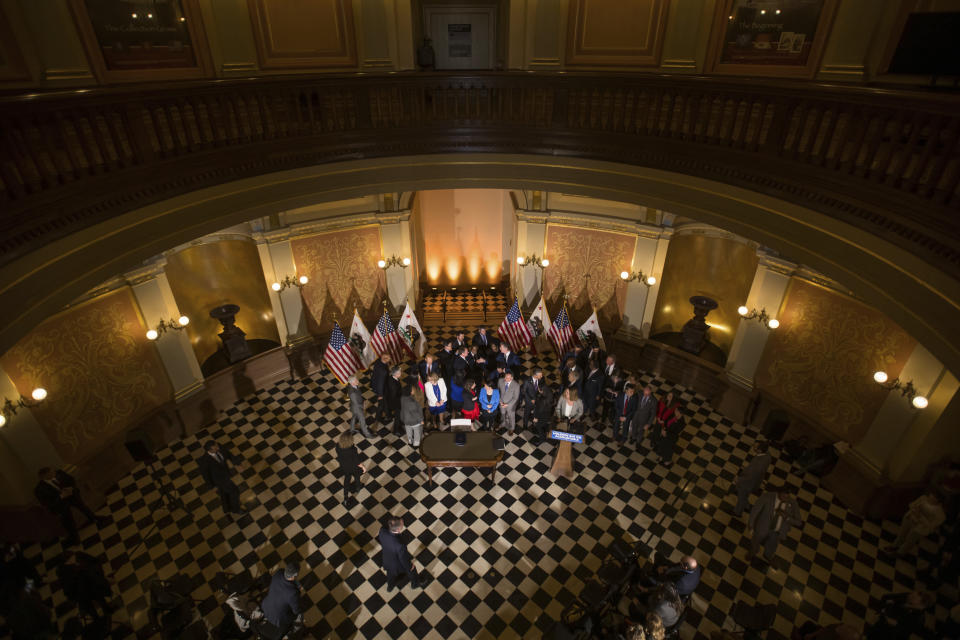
(208, 275)
(101, 373)
(822, 357)
(697, 264)
(576, 252)
(615, 33)
(343, 272)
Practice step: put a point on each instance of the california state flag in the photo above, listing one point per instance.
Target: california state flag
(591, 326)
(541, 341)
(366, 354)
(407, 322)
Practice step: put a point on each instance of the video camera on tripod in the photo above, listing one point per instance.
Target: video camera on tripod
(583, 618)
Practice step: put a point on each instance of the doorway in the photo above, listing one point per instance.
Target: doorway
(462, 37)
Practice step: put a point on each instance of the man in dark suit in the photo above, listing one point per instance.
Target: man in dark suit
(592, 387)
(215, 468)
(82, 580)
(392, 392)
(529, 391)
(396, 559)
(484, 342)
(57, 491)
(595, 353)
(357, 417)
(378, 379)
(461, 365)
(578, 356)
(684, 576)
(624, 408)
(427, 366)
(610, 366)
(460, 341)
(446, 362)
(752, 475)
(771, 518)
(569, 364)
(508, 361)
(612, 386)
(643, 418)
(281, 607)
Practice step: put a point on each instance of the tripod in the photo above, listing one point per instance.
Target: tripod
(167, 501)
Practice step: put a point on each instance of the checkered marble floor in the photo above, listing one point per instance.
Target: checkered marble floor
(469, 300)
(505, 559)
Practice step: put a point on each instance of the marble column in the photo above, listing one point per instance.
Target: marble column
(767, 292)
(531, 241)
(396, 241)
(24, 449)
(276, 259)
(155, 299)
(641, 298)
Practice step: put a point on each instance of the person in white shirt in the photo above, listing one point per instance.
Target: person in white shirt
(924, 516)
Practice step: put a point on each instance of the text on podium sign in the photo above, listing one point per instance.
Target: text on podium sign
(575, 438)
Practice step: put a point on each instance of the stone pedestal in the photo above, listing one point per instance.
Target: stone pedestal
(694, 332)
(233, 337)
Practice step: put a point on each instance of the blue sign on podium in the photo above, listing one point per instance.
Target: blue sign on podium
(575, 438)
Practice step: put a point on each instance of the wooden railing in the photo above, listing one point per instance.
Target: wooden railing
(887, 160)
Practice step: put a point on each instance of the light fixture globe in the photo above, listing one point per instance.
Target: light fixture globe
(624, 275)
(183, 320)
(276, 286)
(651, 280)
(773, 323)
(880, 376)
(39, 394)
(3, 419)
(304, 279)
(406, 262)
(520, 260)
(152, 334)
(381, 263)
(920, 402)
(545, 263)
(742, 310)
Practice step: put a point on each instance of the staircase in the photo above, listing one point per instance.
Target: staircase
(464, 306)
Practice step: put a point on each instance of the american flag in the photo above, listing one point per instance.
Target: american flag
(340, 357)
(386, 338)
(561, 333)
(514, 330)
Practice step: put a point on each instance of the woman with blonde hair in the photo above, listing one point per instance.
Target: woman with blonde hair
(570, 408)
(436, 394)
(655, 630)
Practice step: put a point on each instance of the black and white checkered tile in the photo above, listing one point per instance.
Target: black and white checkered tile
(468, 300)
(506, 559)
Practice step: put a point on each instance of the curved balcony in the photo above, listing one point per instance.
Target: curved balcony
(884, 161)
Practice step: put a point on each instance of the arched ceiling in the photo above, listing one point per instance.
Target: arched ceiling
(914, 293)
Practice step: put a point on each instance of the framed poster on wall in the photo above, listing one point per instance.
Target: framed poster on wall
(135, 41)
(778, 38)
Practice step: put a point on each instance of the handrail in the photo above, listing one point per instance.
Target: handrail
(885, 159)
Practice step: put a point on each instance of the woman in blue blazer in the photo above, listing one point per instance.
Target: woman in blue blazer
(489, 402)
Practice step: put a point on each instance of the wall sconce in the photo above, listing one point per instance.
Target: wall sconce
(906, 389)
(534, 260)
(288, 282)
(10, 407)
(393, 261)
(626, 276)
(761, 317)
(168, 325)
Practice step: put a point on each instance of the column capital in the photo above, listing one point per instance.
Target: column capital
(775, 264)
(146, 273)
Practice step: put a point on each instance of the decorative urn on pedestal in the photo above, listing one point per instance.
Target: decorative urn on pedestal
(693, 337)
(233, 337)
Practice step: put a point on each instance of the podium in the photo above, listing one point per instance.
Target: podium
(563, 458)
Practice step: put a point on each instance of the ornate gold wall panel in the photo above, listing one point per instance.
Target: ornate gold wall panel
(716, 267)
(343, 272)
(101, 373)
(302, 34)
(822, 357)
(208, 275)
(576, 253)
(615, 33)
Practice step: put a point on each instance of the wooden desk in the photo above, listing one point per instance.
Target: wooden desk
(437, 449)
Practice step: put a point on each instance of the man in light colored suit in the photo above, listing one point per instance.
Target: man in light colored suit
(509, 398)
(751, 476)
(771, 518)
(357, 418)
(643, 418)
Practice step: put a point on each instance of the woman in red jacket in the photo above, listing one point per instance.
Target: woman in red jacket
(666, 428)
